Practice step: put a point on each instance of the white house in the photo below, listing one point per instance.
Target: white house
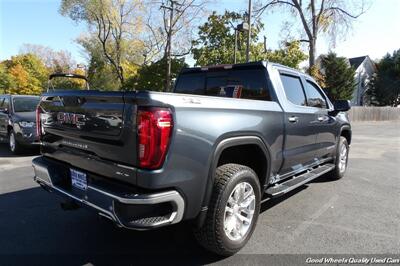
(365, 68)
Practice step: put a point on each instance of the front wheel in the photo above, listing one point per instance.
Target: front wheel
(233, 210)
(14, 145)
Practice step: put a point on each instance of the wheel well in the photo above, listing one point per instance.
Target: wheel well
(250, 155)
(346, 133)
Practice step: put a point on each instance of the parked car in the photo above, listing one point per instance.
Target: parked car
(18, 121)
(228, 136)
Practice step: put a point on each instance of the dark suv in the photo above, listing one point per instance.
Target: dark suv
(17, 121)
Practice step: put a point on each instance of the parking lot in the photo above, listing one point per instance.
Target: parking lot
(359, 214)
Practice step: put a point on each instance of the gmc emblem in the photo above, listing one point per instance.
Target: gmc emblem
(71, 119)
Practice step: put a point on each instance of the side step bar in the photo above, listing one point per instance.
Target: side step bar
(282, 188)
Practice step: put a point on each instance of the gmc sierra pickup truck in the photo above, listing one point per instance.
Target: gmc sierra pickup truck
(228, 137)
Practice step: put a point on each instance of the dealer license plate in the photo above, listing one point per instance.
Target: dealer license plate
(78, 179)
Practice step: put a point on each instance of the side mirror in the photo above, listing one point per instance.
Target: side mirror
(342, 105)
(4, 110)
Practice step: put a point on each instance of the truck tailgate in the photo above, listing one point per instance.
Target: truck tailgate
(88, 124)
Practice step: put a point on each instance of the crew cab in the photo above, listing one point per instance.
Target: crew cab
(228, 136)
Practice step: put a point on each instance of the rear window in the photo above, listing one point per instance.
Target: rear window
(237, 83)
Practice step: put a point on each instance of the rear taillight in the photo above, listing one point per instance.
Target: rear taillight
(38, 122)
(154, 133)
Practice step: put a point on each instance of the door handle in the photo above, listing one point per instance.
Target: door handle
(293, 119)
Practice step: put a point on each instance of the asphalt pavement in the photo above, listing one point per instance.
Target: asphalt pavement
(359, 214)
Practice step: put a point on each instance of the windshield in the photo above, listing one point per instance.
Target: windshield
(25, 104)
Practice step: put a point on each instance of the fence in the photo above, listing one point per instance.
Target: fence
(361, 113)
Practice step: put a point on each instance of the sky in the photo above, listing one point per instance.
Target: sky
(375, 33)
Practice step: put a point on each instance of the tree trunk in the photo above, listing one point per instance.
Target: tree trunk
(311, 52)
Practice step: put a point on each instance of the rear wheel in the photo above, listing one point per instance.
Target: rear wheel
(342, 156)
(233, 210)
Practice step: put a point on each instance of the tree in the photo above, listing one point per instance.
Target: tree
(114, 24)
(5, 78)
(150, 77)
(216, 42)
(338, 77)
(384, 88)
(289, 54)
(318, 17)
(55, 61)
(171, 31)
(100, 73)
(26, 74)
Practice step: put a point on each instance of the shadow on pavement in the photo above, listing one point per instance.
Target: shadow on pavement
(33, 227)
(5, 152)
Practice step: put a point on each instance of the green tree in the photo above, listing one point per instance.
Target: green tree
(100, 74)
(216, 39)
(151, 77)
(216, 43)
(384, 88)
(338, 77)
(5, 78)
(289, 54)
(27, 74)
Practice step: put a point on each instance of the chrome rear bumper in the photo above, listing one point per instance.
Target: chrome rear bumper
(116, 206)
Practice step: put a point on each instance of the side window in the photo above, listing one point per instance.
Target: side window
(245, 84)
(293, 89)
(191, 83)
(1, 102)
(314, 96)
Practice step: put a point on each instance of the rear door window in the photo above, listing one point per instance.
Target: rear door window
(293, 89)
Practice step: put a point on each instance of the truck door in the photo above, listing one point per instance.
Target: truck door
(299, 147)
(325, 125)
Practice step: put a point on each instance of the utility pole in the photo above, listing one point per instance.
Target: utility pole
(171, 9)
(249, 34)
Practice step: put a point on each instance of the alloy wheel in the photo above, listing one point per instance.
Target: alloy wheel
(239, 211)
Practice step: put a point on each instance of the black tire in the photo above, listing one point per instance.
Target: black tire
(338, 172)
(16, 148)
(212, 235)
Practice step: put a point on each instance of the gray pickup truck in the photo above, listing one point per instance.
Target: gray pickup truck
(228, 136)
